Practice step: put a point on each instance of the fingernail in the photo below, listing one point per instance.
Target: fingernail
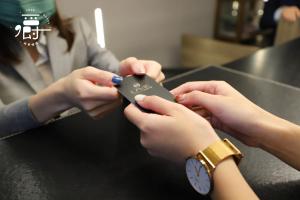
(139, 97)
(117, 80)
(140, 70)
(180, 98)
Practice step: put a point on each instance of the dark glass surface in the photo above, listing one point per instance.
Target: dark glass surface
(280, 63)
(174, 71)
(79, 158)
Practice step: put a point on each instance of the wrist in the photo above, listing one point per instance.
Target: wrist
(201, 143)
(49, 102)
(61, 94)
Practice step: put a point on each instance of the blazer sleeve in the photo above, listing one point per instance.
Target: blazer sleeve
(16, 117)
(97, 56)
(267, 21)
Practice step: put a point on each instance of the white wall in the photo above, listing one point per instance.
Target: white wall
(147, 29)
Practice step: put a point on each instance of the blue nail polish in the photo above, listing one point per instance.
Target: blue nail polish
(117, 80)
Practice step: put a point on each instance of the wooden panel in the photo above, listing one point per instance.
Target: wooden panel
(287, 31)
(197, 51)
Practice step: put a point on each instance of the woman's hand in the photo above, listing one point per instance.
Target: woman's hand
(92, 90)
(290, 13)
(132, 66)
(89, 88)
(233, 113)
(226, 109)
(174, 133)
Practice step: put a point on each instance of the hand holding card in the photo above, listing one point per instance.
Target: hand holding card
(142, 84)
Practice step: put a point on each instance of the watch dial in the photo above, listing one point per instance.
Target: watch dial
(198, 176)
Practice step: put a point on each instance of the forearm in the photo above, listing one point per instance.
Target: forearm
(49, 102)
(229, 183)
(282, 139)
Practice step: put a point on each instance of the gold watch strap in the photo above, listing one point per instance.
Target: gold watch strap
(217, 152)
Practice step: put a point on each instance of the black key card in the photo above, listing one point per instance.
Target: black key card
(142, 84)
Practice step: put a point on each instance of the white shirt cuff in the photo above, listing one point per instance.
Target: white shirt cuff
(277, 14)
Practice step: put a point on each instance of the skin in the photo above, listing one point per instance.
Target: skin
(90, 89)
(170, 124)
(217, 101)
(80, 89)
(290, 13)
(178, 131)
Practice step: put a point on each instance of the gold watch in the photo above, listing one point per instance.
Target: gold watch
(200, 168)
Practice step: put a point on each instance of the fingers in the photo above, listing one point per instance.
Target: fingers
(201, 111)
(97, 76)
(131, 66)
(198, 98)
(291, 13)
(134, 115)
(160, 78)
(153, 69)
(90, 91)
(204, 86)
(156, 104)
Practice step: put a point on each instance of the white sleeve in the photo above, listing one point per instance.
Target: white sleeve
(277, 14)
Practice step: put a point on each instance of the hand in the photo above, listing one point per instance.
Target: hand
(174, 133)
(290, 13)
(225, 108)
(82, 89)
(132, 66)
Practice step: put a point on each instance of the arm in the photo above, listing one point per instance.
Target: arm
(16, 117)
(224, 189)
(280, 138)
(77, 89)
(263, 129)
(176, 133)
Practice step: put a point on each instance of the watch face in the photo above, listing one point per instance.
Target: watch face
(198, 176)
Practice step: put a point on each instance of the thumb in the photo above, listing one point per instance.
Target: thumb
(156, 104)
(198, 98)
(131, 66)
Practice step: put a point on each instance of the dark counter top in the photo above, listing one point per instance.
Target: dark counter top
(279, 63)
(79, 158)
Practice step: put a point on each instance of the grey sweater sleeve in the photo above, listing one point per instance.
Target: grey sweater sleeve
(16, 117)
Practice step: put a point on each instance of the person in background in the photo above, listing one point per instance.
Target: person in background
(273, 11)
(40, 82)
(184, 130)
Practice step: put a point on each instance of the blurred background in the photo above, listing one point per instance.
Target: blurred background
(185, 33)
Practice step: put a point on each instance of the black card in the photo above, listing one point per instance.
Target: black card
(142, 84)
